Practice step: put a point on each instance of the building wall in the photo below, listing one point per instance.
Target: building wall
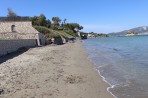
(15, 35)
(7, 46)
(23, 30)
(41, 39)
(21, 27)
(25, 36)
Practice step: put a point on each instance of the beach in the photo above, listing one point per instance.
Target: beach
(62, 71)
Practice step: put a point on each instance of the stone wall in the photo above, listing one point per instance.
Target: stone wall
(24, 36)
(15, 35)
(20, 27)
(7, 46)
(23, 30)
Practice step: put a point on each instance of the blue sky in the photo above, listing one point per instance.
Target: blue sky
(100, 16)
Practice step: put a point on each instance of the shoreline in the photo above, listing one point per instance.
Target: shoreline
(52, 72)
(109, 86)
(103, 78)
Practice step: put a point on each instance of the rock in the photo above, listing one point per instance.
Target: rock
(1, 91)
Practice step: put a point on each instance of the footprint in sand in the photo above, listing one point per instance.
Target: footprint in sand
(74, 79)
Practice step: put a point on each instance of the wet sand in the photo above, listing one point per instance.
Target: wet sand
(52, 72)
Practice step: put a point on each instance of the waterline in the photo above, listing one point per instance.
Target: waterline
(122, 63)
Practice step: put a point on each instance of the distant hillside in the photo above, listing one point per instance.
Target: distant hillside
(139, 30)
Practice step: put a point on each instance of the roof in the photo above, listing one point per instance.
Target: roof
(20, 27)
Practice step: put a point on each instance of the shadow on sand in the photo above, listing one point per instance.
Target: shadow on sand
(11, 55)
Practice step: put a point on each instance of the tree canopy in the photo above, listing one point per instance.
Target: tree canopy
(73, 26)
(55, 24)
(41, 21)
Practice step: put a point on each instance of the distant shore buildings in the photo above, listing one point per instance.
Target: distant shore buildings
(94, 35)
(131, 33)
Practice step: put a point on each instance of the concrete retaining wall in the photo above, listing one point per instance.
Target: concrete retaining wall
(7, 46)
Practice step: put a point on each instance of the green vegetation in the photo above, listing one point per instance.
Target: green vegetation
(52, 33)
(55, 28)
(92, 34)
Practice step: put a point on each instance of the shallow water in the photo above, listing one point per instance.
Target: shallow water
(123, 62)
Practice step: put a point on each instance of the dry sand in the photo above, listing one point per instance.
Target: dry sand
(51, 72)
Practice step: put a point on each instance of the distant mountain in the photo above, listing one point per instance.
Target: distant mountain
(139, 30)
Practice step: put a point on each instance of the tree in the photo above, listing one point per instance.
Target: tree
(35, 20)
(64, 21)
(42, 20)
(80, 27)
(56, 21)
(11, 13)
(73, 26)
(48, 23)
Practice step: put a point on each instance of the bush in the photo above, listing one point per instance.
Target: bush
(42, 29)
(57, 34)
(70, 32)
(58, 40)
(47, 32)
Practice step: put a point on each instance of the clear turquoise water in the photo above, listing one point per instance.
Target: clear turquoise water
(123, 62)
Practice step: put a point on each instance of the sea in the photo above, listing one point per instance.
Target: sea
(122, 62)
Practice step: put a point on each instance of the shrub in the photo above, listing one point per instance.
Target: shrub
(70, 32)
(58, 40)
(42, 29)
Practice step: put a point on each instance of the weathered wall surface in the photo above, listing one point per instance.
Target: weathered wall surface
(7, 46)
(15, 35)
(25, 36)
(41, 39)
(20, 27)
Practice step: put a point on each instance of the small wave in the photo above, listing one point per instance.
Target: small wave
(103, 78)
(111, 86)
(116, 49)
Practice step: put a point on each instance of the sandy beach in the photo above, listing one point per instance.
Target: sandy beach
(52, 72)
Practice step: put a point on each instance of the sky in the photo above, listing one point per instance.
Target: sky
(99, 16)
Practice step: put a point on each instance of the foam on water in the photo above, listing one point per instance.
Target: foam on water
(103, 78)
